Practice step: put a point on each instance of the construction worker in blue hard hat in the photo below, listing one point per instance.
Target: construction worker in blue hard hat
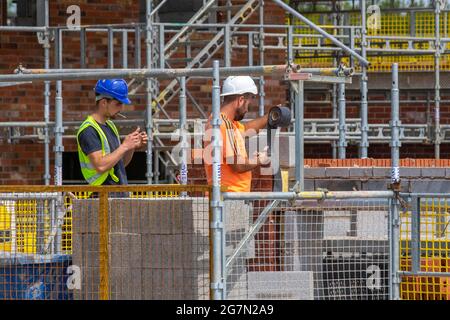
(103, 157)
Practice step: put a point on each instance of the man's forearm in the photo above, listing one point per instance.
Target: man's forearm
(257, 124)
(128, 156)
(104, 163)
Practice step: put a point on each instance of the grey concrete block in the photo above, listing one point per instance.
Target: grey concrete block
(447, 172)
(338, 185)
(159, 284)
(410, 172)
(375, 185)
(125, 250)
(198, 221)
(312, 172)
(125, 283)
(295, 285)
(336, 172)
(196, 284)
(173, 251)
(195, 251)
(362, 173)
(430, 185)
(433, 173)
(85, 215)
(381, 172)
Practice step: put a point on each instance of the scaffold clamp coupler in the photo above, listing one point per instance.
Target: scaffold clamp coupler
(216, 225)
(216, 285)
(217, 204)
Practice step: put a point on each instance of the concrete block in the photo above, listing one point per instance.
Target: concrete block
(381, 172)
(85, 216)
(198, 220)
(195, 252)
(160, 284)
(410, 172)
(295, 285)
(337, 223)
(447, 172)
(157, 216)
(362, 173)
(237, 283)
(338, 185)
(163, 251)
(372, 224)
(312, 173)
(437, 173)
(374, 185)
(196, 284)
(337, 172)
(430, 185)
(125, 250)
(125, 283)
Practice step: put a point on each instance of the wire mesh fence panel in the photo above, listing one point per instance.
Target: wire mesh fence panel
(143, 244)
(322, 250)
(158, 248)
(433, 249)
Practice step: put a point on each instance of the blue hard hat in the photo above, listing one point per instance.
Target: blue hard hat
(114, 88)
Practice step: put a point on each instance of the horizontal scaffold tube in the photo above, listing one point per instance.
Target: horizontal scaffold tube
(307, 195)
(80, 74)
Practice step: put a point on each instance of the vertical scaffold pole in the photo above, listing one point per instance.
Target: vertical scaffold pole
(216, 227)
(46, 97)
(342, 143)
(183, 132)
(437, 86)
(364, 145)
(148, 113)
(299, 138)
(59, 129)
(261, 58)
(59, 147)
(394, 238)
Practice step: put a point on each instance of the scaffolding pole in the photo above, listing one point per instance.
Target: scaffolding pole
(261, 59)
(183, 132)
(216, 226)
(148, 109)
(394, 225)
(342, 143)
(299, 138)
(437, 98)
(47, 175)
(364, 144)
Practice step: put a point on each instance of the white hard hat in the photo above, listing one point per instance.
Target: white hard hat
(238, 85)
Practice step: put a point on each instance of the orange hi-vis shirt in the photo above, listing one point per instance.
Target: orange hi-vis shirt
(233, 144)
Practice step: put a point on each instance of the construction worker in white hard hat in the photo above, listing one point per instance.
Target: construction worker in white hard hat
(238, 93)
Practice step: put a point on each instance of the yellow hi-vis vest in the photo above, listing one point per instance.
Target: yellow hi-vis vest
(87, 169)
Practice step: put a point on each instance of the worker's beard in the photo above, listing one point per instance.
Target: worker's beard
(240, 114)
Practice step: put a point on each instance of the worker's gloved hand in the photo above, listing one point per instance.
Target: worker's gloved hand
(263, 159)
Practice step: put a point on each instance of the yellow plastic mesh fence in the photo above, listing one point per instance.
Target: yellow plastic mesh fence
(434, 251)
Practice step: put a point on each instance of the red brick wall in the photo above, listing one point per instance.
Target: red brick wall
(22, 161)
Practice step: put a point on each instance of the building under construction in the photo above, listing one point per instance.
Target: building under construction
(355, 209)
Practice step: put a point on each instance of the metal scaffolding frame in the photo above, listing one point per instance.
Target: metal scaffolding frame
(336, 130)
